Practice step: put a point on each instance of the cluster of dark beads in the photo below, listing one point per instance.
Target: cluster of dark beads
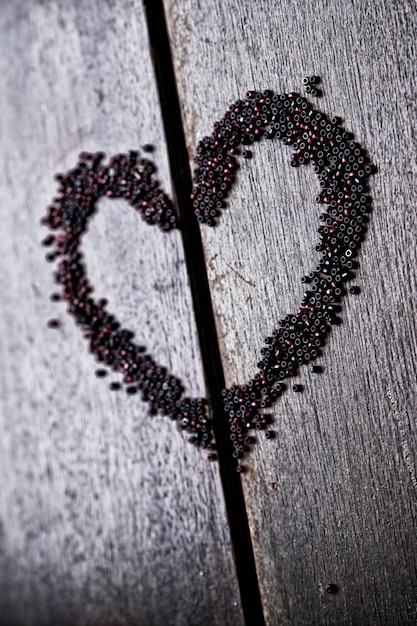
(126, 176)
(342, 168)
(131, 178)
(311, 83)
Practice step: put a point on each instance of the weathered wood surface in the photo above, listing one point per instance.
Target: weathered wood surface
(333, 498)
(106, 516)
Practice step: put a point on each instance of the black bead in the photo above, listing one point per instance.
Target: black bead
(332, 588)
(48, 241)
(54, 324)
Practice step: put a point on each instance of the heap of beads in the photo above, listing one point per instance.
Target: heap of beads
(342, 168)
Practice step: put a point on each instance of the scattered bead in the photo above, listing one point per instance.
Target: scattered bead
(316, 369)
(354, 290)
(48, 241)
(332, 588)
(100, 373)
(297, 388)
(316, 93)
(115, 386)
(148, 147)
(54, 323)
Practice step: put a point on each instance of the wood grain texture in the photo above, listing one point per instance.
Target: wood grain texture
(106, 516)
(333, 498)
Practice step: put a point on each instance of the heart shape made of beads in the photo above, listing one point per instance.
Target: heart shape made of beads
(342, 167)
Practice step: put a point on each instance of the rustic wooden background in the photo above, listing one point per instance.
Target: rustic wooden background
(108, 517)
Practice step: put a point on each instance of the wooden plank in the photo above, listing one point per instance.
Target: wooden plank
(106, 516)
(332, 500)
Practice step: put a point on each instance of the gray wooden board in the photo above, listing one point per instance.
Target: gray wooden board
(106, 516)
(333, 498)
